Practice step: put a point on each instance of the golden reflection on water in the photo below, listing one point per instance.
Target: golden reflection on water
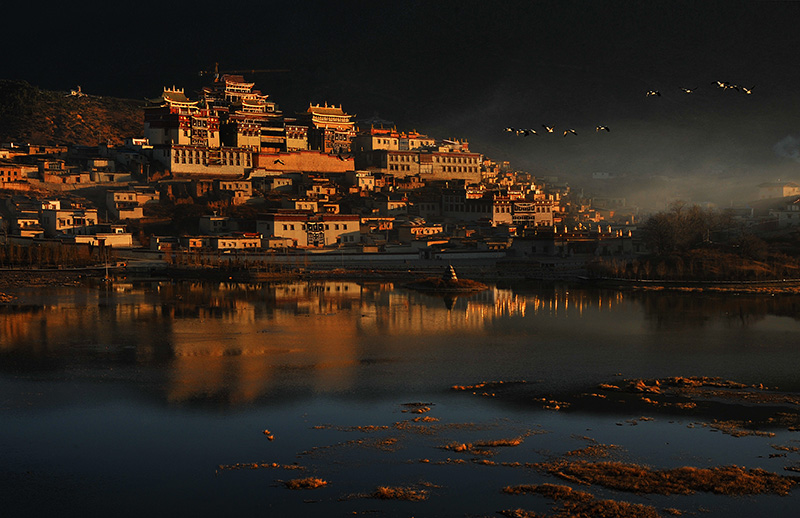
(239, 314)
(238, 342)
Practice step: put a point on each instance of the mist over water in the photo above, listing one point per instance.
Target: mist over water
(709, 146)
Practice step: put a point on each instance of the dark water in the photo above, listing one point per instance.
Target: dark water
(125, 402)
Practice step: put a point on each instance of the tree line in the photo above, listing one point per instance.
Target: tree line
(53, 255)
(691, 243)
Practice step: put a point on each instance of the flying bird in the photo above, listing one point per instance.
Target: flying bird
(526, 132)
(570, 130)
(278, 161)
(689, 90)
(748, 91)
(725, 85)
(653, 92)
(602, 128)
(343, 158)
(550, 129)
(509, 130)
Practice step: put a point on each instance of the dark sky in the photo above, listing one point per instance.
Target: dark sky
(467, 69)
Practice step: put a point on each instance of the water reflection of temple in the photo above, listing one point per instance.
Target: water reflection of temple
(236, 342)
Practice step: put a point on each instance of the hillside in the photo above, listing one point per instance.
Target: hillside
(28, 114)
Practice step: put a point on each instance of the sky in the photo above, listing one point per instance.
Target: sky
(468, 69)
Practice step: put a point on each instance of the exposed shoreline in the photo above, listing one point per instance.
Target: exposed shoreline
(713, 286)
(12, 279)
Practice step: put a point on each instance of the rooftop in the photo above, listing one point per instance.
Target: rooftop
(326, 110)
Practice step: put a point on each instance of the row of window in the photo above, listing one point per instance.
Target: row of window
(74, 221)
(459, 169)
(336, 119)
(519, 218)
(455, 160)
(399, 167)
(545, 208)
(183, 156)
(234, 186)
(290, 226)
(242, 244)
(425, 231)
(186, 133)
(467, 208)
(402, 158)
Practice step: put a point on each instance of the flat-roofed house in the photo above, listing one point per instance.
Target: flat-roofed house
(237, 191)
(311, 230)
(14, 172)
(217, 224)
(777, 190)
(123, 204)
(68, 221)
(245, 241)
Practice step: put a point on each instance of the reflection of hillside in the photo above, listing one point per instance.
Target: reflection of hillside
(667, 310)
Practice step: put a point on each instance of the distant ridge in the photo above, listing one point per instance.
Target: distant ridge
(28, 114)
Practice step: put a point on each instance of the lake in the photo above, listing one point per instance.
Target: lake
(192, 398)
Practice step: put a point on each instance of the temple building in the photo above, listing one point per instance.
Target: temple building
(404, 155)
(217, 135)
(296, 135)
(330, 129)
(173, 119)
(250, 119)
(389, 139)
(468, 204)
(537, 213)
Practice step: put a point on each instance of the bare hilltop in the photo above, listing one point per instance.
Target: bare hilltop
(29, 114)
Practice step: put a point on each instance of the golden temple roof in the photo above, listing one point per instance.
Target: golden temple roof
(326, 110)
(173, 96)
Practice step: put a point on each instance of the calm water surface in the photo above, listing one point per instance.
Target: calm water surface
(125, 401)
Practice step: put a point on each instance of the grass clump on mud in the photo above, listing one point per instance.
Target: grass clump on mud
(594, 450)
(399, 493)
(305, 483)
(258, 465)
(576, 503)
(735, 408)
(482, 447)
(725, 480)
(414, 493)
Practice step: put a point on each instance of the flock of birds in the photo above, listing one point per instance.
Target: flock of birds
(548, 129)
(524, 132)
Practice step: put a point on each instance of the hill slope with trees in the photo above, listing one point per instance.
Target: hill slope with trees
(688, 243)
